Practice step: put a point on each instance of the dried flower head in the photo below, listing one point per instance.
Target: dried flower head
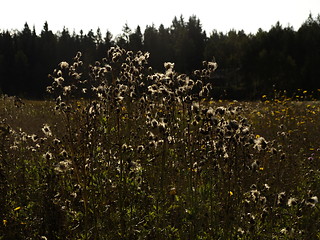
(281, 198)
(173, 191)
(140, 148)
(34, 137)
(64, 153)
(212, 66)
(154, 123)
(64, 65)
(312, 201)
(56, 141)
(46, 130)
(47, 156)
(168, 65)
(260, 143)
(63, 166)
(292, 201)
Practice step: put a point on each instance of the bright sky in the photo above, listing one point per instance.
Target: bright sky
(222, 15)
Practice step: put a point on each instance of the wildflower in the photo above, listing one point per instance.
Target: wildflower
(263, 200)
(153, 143)
(264, 213)
(140, 148)
(292, 202)
(194, 123)
(58, 100)
(212, 66)
(173, 191)
(255, 165)
(34, 137)
(255, 195)
(284, 231)
(146, 55)
(266, 187)
(79, 54)
(64, 153)
(273, 150)
(56, 141)
(162, 127)
(63, 166)
(252, 219)
(135, 167)
(63, 106)
(210, 113)
(253, 187)
(24, 136)
(195, 107)
(204, 92)
(76, 76)
(281, 198)
(196, 72)
(154, 123)
(49, 89)
(116, 56)
(312, 201)
(32, 149)
(240, 231)
(168, 65)
(260, 143)
(59, 81)
(4, 221)
(220, 110)
(160, 142)
(74, 66)
(151, 136)
(141, 59)
(47, 156)
(17, 208)
(108, 68)
(124, 147)
(66, 90)
(46, 130)
(170, 139)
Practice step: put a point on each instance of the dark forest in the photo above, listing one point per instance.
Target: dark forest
(249, 64)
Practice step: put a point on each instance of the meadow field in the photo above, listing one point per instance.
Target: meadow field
(126, 153)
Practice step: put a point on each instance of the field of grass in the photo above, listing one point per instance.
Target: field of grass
(148, 156)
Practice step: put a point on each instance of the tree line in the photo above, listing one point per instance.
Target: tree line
(249, 64)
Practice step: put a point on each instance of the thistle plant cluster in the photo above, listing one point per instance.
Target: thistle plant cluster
(138, 154)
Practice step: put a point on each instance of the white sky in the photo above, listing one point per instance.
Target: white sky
(222, 15)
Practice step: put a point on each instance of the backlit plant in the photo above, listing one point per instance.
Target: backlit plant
(137, 154)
